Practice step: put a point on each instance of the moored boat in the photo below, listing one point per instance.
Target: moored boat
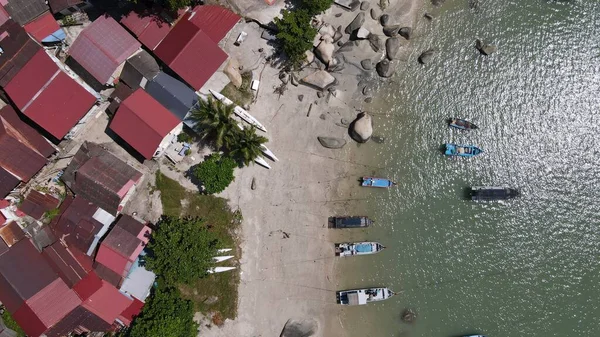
(218, 259)
(363, 296)
(357, 248)
(242, 113)
(262, 162)
(462, 124)
(349, 222)
(474, 336)
(215, 270)
(488, 193)
(461, 150)
(377, 182)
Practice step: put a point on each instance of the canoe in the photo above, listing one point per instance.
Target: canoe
(474, 336)
(243, 114)
(461, 150)
(218, 259)
(349, 222)
(487, 193)
(219, 269)
(224, 250)
(377, 182)
(462, 124)
(363, 296)
(263, 148)
(262, 162)
(357, 248)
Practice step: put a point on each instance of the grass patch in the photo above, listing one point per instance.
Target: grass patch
(11, 324)
(243, 95)
(215, 293)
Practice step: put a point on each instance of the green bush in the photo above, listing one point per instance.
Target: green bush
(314, 7)
(181, 250)
(184, 138)
(215, 173)
(188, 152)
(296, 34)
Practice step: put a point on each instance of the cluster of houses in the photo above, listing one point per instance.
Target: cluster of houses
(69, 257)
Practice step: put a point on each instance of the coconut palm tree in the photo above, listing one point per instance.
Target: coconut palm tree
(213, 120)
(246, 145)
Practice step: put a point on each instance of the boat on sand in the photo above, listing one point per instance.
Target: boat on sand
(363, 296)
(377, 182)
(349, 222)
(241, 113)
(357, 248)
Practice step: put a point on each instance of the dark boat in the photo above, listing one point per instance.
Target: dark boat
(349, 222)
(493, 193)
(462, 124)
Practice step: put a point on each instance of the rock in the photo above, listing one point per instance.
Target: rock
(384, 20)
(323, 117)
(362, 128)
(253, 185)
(405, 32)
(426, 56)
(368, 99)
(375, 42)
(284, 77)
(338, 15)
(338, 34)
(408, 316)
(356, 23)
(332, 142)
(362, 33)
(378, 139)
(300, 328)
(386, 68)
(367, 90)
(319, 79)
(232, 70)
(364, 5)
(319, 94)
(437, 2)
(484, 48)
(325, 51)
(317, 40)
(327, 30)
(428, 16)
(294, 80)
(367, 64)
(345, 121)
(391, 31)
(392, 46)
(300, 98)
(310, 57)
(354, 5)
(348, 46)
(375, 13)
(332, 89)
(340, 43)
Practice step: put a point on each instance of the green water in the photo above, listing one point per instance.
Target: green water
(528, 267)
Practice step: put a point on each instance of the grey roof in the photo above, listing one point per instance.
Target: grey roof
(141, 65)
(23, 11)
(172, 94)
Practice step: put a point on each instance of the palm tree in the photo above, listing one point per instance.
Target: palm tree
(247, 145)
(213, 120)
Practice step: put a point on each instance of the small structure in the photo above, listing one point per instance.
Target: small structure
(37, 203)
(145, 124)
(102, 48)
(100, 177)
(117, 97)
(139, 69)
(66, 7)
(149, 25)
(172, 94)
(25, 11)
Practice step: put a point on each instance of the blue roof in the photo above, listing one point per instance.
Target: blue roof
(174, 95)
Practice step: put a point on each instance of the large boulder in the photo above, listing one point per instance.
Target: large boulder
(310, 57)
(324, 51)
(319, 79)
(365, 5)
(362, 33)
(361, 129)
(232, 70)
(332, 142)
(384, 20)
(338, 34)
(367, 64)
(405, 32)
(356, 23)
(375, 42)
(347, 46)
(386, 68)
(484, 48)
(300, 328)
(426, 56)
(391, 31)
(392, 46)
(375, 13)
(327, 29)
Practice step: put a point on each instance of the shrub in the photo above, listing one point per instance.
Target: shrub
(215, 173)
(295, 34)
(184, 138)
(314, 7)
(188, 152)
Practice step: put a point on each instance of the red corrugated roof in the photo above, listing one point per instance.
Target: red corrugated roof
(42, 26)
(143, 122)
(3, 15)
(37, 203)
(27, 134)
(29, 322)
(62, 260)
(191, 53)
(111, 259)
(48, 96)
(88, 286)
(107, 303)
(150, 29)
(214, 21)
(54, 302)
(102, 47)
(132, 311)
(16, 156)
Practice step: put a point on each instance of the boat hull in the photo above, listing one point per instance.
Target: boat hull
(357, 248)
(491, 193)
(461, 124)
(468, 151)
(349, 222)
(240, 112)
(363, 296)
(377, 182)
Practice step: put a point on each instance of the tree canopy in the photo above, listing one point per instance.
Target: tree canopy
(181, 250)
(296, 34)
(314, 7)
(247, 145)
(165, 314)
(215, 173)
(213, 120)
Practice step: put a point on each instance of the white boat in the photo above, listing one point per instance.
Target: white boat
(474, 336)
(357, 248)
(219, 269)
(224, 250)
(262, 162)
(243, 114)
(363, 296)
(218, 259)
(263, 148)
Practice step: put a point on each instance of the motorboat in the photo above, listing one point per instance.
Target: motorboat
(363, 296)
(488, 193)
(357, 248)
(349, 222)
(377, 182)
(455, 150)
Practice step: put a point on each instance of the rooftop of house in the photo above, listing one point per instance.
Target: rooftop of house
(42, 26)
(28, 134)
(149, 25)
(64, 262)
(214, 21)
(37, 203)
(102, 46)
(59, 5)
(18, 48)
(172, 94)
(143, 122)
(99, 176)
(23, 11)
(11, 233)
(141, 65)
(107, 302)
(8, 182)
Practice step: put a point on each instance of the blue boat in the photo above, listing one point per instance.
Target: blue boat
(377, 182)
(462, 150)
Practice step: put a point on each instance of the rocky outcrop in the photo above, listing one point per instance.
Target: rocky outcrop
(332, 142)
(319, 79)
(384, 19)
(356, 23)
(365, 5)
(386, 68)
(324, 51)
(391, 31)
(347, 46)
(310, 57)
(300, 328)
(232, 70)
(338, 34)
(426, 56)
(405, 32)
(484, 48)
(361, 129)
(392, 46)
(362, 33)
(367, 64)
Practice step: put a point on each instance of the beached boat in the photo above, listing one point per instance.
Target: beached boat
(462, 150)
(357, 248)
(493, 193)
(363, 296)
(349, 222)
(224, 250)
(218, 259)
(462, 124)
(219, 269)
(262, 162)
(243, 114)
(377, 182)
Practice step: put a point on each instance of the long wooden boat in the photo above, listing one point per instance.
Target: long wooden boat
(455, 150)
(377, 182)
(474, 336)
(363, 296)
(349, 222)
(243, 114)
(487, 193)
(462, 124)
(357, 248)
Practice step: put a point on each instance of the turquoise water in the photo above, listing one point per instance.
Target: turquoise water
(528, 267)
